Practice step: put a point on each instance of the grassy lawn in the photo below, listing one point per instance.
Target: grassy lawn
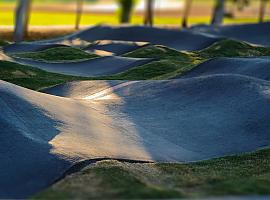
(247, 174)
(54, 18)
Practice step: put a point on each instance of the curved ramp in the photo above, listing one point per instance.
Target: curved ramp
(207, 115)
(167, 121)
(29, 47)
(115, 48)
(253, 33)
(254, 67)
(180, 40)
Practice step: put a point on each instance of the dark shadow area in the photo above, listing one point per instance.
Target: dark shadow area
(27, 166)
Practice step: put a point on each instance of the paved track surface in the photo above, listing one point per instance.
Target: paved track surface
(252, 33)
(180, 40)
(103, 66)
(169, 121)
(220, 108)
(253, 67)
(114, 48)
(29, 47)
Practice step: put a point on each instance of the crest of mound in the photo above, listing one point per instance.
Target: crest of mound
(253, 67)
(215, 109)
(29, 47)
(180, 40)
(174, 120)
(253, 33)
(56, 54)
(114, 47)
(233, 48)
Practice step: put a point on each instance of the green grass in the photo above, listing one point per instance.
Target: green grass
(57, 54)
(173, 63)
(247, 174)
(30, 77)
(233, 48)
(66, 18)
(3, 43)
(169, 64)
(156, 70)
(157, 51)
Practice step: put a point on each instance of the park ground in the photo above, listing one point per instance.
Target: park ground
(245, 174)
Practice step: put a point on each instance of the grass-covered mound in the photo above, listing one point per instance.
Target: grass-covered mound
(36, 79)
(156, 70)
(173, 63)
(169, 63)
(156, 51)
(30, 77)
(233, 48)
(247, 174)
(57, 54)
(3, 43)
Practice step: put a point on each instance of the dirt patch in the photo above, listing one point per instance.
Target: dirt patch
(38, 33)
(20, 74)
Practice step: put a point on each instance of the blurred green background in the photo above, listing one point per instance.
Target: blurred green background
(62, 12)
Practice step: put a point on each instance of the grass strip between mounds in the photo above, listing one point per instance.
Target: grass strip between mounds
(57, 54)
(30, 77)
(3, 43)
(246, 174)
(170, 63)
(233, 48)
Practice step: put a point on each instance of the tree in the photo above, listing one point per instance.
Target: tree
(126, 7)
(149, 13)
(263, 4)
(79, 11)
(21, 19)
(188, 5)
(218, 13)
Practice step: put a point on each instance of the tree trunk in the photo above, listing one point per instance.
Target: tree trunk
(126, 10)
(188, 5)
(218, 13)
(22, 19)
(262, 10)
(79, 11)
(149, 12)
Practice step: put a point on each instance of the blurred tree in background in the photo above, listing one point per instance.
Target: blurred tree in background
(188, 4)
(79, 13)
(222, 9)
(149, 13)
(126, 7)
(262, 10)
(22, 19)
(218, 13)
